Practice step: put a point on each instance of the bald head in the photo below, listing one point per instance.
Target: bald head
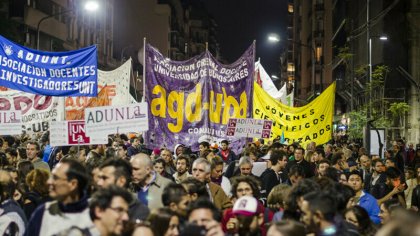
(142, 168)
(142, 159)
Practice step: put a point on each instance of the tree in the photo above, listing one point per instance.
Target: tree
(398, 110)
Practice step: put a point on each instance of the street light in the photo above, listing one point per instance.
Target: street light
(274, 38)
(369, 108)
(89, 6)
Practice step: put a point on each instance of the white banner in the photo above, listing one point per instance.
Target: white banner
(70, 133)
(10, 123)
(117, 84)
(248, 127)
(116, 119)
(37, 110)
(267, 84)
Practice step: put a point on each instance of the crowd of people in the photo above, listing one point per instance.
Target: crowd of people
(123, 188)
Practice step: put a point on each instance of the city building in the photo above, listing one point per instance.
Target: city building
(65, 25)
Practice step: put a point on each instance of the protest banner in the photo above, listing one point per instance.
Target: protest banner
(10, 122)
(265, 81)
(72, 73)
(191, 101)
(113, 87)
(71, 133)
(303, 125)
(36, 110)
(116, 119)
(248, 127)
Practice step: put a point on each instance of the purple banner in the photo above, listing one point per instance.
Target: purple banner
(191, 101)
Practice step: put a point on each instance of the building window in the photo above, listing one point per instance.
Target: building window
(318, 53)
(290, 8)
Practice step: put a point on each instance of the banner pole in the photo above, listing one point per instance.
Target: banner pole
(144, 70)
(207, 46)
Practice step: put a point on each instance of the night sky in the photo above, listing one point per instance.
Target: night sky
(242, 21)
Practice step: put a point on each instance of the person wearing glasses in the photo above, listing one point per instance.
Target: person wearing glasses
(67, 186)
(108, 209)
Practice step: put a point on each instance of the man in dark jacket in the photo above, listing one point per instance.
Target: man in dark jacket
(299, 160)
(274, 175)
(118, 172)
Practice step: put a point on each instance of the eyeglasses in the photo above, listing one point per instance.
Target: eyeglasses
(119, 210)
(55, 178)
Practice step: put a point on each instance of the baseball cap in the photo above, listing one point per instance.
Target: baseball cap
(246, 206)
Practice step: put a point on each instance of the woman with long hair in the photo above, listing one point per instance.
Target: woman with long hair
(37, 193)
(164, 222)
(359, 217)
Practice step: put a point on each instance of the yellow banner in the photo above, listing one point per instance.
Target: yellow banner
(312, 122)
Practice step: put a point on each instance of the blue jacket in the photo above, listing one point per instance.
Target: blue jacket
(370, 204)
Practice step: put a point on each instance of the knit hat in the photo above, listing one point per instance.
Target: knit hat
(156, 152)
(246, 206)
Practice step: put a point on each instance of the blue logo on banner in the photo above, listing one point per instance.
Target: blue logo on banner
(72, 73)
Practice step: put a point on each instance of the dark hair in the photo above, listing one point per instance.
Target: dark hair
(299, 148)
(159, 220)
(38, 148)
(392, 173)
(24, 167)
(205, 204)
(366, 226)
(102, 198)
(338, 156)
(225, 142)
(11, 151)
(22, 153)
(216, 161)
(289, 227)
(3, 160)
(340, 193)
(173, 193)
(297, 170)
(7, 187)
(194, 185)
(376, 161)
(392, 204)
(77, 171)
(276, 145)
(249, 180)
(300, 189)
(320, 151)
(321, 202)
(332, 173)
(393, 159)
(159, 160)
(204, 144)
(122, 168)
(323, 161)
(183, 157)
(276, 156)
(10, 140)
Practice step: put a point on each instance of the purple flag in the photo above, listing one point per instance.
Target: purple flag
(191, 101)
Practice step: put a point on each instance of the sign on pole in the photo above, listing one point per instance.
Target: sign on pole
(70, 133)
(248, 127)
(116, 119)
(10, 122)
